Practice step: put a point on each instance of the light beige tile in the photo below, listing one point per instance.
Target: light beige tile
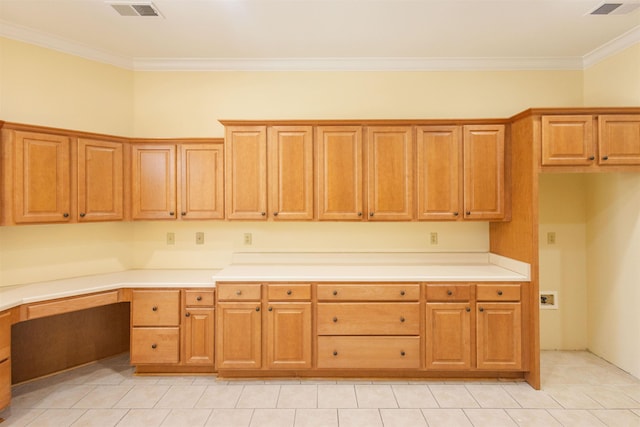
(209, 380)
(492, 396)
(446, 417)
(453, 396)
(104, 376)
(18, 417)
(527, 397)
(617, 417)
(187, 417)
(316, 418)
(489, 418)
(610, 398)
(176, 380)
(179, 396)
(144, 417)
(140, 380)
(631, 390)
(273, 418)
(230, 418)
(259, 396)
(337, 396)
(414, 396)
(100, 418)
(571, 398)
(298, 396)
(220, 396)
(402, 418)
(57, 418)
(575, 418)
(142, 396)
(375, 396)
(636, 411)
(65, 396)
(533, 418)
(30, 397)
(103, 397)
(359, 418)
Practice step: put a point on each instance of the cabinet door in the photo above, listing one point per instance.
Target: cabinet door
(100, 173)
(201, 181)
(246, 172)
(390, 173)
(289, 335)
(238, 335)
(567, 141)
(619, 140)
(5, 359)
(339, 172)
(483, 171)
(198, 336)
(153, 172)
(42, 178)
(438, 172)
(499, 335)
(448, 336)
(291, 172)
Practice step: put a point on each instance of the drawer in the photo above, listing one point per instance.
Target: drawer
(391, 292)
(5, 384)
(495, 292)
(297, 292)
(369, 352)
(155, 345)
(5, 335)
(448, 292)
(368, 318)
(239, 292)
(199, 298)
(155, 308)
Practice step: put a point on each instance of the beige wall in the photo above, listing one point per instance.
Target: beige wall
(614, 81)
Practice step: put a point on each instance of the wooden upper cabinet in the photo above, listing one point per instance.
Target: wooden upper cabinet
(153, 171)
(438, 173)
(390, 173)
(100, 180)
(619, 139)
(201, 181)
(567, 141)
(339, 172)
(483, 148)
(246, 172)
(290, 166)
(42, 185)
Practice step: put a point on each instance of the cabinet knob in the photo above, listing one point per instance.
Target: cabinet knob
(468, 309)
(257, 308)
(402, 319)
(172, 213)
(402, 353)
(187, 314)
(275, 214)
(238, 292)
(289, 292)
(468, 212)
(481, 309)
(455, 214)
(153, 346)
(402, 293)
(183, 213)
(500, 293)
(605, 157)
(592, 157)
(198, 298)
(359, 213)
(335, 319)
(263, 213)
(270, 308)
(449, 293)
(82, 214)
(335, 293)
(335, 353)
(154, 308)
(371, 213)
(66, 215)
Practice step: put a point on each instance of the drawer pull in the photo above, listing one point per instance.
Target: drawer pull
(402, 293)
(449, 292)
(257, 308)
(238, 292)
(500, 293)
(154, 346)
(335, 293)
(468, 309)
(289, 292)
(198, 298)
(402, 353)
(335, 353)
(187, 314)
(270, 308)
(335, 319)
(402, 319)
(154, 308)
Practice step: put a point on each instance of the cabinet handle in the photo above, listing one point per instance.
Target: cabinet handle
(402, 319)
(605, 157)
(172, 213)
(289, 292)
(335, 293)
(402, 353)
(154, 308)
(153, 346)
(481, 309)
(198, 298)
(187, 314)
(335, 320)
(275, 214)
(263, 213)
(335, 353)
(449, 293)
(82, 215)
(270, 308)
(500, 293)
(402, 293)
(66, 215)
(592, 157)
(359, 213)
(183, 213)
(257, 308)
(455, 214)
(371, 213)
(468, 309)
(238, 292)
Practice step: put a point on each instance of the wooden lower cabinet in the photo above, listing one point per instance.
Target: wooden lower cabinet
(198, 336)
(448, 336)
(239, 335)
(288, 335)
(155, 345)
(499, 326)
(367, 352)
(5, 359)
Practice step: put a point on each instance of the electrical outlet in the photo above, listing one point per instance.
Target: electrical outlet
(551, 238)
(248, 239)
(171, 238)
(199, 238)
(549, 300)
(433, 238)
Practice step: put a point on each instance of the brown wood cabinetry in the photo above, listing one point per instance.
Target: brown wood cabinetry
(201, 185)
(619, 139)
(239, 335)
(198, 328)
(153, 172)
(288, 335)
(5, 359)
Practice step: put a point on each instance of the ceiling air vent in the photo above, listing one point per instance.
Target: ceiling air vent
(615, 8)
(135, 8)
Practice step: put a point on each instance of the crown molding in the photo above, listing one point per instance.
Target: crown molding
(49, 41)
(612, 47)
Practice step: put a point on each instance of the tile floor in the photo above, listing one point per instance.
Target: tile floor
(579, 389)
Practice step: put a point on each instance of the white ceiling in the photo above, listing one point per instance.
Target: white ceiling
(327, 34)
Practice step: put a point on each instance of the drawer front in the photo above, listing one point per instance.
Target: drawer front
(395, 292)
(496, 292)
(368, 318)
(5, 336)
(238, 292)
(283, 292)
(448, 292)
(369, 352)
(199, 298)
(155, 308)
(155, 345)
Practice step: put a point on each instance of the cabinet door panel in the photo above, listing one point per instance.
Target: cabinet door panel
(567, 140)
(484, 171)
(246, 172)
(154, 181)
(368, 352)
(42, 178)
(339, 172)
(201, 181)
(291, 172)
(155, 345)
(448, 336)
(368, 318)
(198, 336)
(238, 336)
(438, 172)
(289, 335)
(390, 167)
(619, 140)
(100, 175)
(499, 336)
